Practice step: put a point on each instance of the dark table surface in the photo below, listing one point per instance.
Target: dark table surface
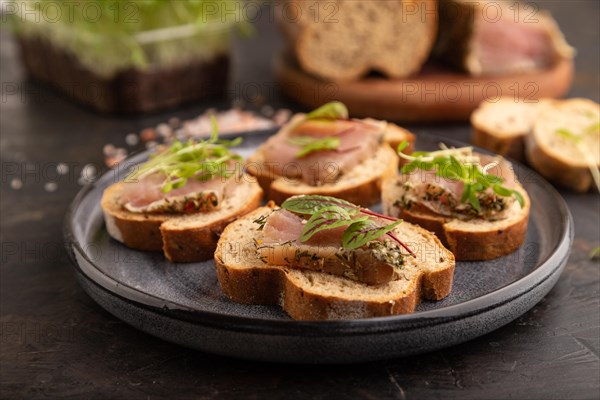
(56, 342)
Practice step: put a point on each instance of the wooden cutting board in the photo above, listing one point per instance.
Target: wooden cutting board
(434, 95)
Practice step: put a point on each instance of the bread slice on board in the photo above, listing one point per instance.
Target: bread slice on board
(565, 142)
(343, 40)
(501, 126)
(311, 295)
(182, 238)
(361, 185)
(474, 239)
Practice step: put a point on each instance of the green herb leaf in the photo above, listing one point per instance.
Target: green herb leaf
(203, 160)
(567, 134)
(519, 197)
(595, 253)
(332, 110)
(362, 232)
(403, 145)
(328, 218)
(310, 144)
(311, 204)
(460, 165)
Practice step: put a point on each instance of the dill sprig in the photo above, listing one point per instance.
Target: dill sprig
(459, 164)
(202, 160)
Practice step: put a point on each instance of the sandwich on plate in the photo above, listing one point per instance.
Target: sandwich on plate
(181, 199)
(321, 258)
(325, 152)
(473, 202)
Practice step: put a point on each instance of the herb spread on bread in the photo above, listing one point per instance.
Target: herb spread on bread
(332, 235)
(183, 178)
(453, 182)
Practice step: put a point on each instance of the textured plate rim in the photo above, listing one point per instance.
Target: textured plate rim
(403, 322)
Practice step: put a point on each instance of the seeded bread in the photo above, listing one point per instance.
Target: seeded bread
(468, 240)
(361, 185)
(558, 158)
(502, 126)
(344, 40)
(182, 238)
(311, 295)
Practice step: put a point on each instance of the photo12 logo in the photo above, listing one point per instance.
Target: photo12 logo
(69, 11)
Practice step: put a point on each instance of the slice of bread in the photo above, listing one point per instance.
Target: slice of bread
(559, 158)
(474, 239)
(361, 185)
(311, 295)
(344, 40)
(182, 238)
(501, 126)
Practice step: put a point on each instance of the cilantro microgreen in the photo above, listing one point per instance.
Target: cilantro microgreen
(461, 165)
(201, 160)
(310, 144)
(331, 110)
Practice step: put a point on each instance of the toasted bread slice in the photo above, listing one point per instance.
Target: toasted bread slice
(502, 126)
(468, 240)
(558, 157)
(361, 185)
(311, 295)
(182, 238)
(344, 40)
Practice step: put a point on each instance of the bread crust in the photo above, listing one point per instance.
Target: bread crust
(467, 243)
(158, 232)
(199, 244)
(509, 146)
(272, 285)
(578, 179)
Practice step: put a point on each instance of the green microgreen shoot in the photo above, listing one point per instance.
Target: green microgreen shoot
(309, 144)
(332, 110)
(578, 142)
(202, 160)
(459, 164)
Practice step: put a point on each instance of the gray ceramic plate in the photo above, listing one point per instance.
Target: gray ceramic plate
(183, 303)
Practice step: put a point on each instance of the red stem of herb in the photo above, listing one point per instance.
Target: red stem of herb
(373, 213)
(390, 234)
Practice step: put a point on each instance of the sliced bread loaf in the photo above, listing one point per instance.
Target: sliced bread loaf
(311, 295)
(344, 40)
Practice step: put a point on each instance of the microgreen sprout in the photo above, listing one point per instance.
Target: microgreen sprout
(459, 164)
(202, 160)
